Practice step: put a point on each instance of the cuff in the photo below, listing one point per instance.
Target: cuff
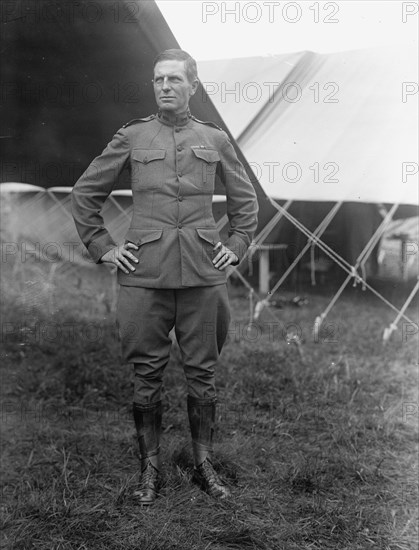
(100, 246)
(236, 245)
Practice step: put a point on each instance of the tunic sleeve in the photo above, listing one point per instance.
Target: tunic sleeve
(91, 191)
(242, 205)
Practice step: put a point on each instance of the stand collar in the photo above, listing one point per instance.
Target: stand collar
(170, 119)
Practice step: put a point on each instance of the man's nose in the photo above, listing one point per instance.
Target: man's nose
(166, 85)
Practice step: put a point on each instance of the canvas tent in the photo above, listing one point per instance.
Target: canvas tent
(336, 132)
(345, 108)
(74, 76)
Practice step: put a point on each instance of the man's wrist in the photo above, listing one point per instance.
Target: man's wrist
(98, 250)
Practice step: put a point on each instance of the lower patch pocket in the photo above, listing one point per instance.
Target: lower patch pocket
(149, 251)
(208, 238)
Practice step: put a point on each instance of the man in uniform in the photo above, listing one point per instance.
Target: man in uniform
(172, 266)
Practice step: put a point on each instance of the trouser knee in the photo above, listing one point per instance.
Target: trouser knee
(147, 384)
(200, 381)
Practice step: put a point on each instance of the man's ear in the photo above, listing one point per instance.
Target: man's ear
(194, 85)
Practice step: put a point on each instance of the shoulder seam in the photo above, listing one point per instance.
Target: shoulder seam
(136, 120)
(209, 123)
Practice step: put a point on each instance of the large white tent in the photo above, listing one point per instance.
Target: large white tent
(293, 114)
(338, 128)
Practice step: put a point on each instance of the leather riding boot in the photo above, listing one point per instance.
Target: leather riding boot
(148, 420)
(201, 413)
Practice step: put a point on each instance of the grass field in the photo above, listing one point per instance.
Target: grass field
(317, 435)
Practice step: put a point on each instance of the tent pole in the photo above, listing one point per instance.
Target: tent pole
(262, 235)
(377, 236)
(260, 238)
(336, 258)
(389, 330)
(317, 232)
(353, 274)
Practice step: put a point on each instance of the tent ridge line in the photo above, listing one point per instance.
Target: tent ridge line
(303, 69)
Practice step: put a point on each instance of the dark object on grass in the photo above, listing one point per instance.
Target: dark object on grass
(297, 301)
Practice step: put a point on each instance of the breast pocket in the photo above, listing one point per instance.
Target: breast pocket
(206, 167)
(148, 253)
(148, 168)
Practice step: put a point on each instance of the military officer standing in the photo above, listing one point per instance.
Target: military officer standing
(171, 267)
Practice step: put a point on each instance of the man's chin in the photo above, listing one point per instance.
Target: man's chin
(166, 106)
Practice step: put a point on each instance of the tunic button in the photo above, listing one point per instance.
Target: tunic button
(145, 160)
(179, 225)
(179, 147)
(177, 129)
(180, 198)
(179, 175)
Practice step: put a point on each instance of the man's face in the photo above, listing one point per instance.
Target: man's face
(172, 88)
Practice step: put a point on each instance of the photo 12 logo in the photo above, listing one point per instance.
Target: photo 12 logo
(409, 11)
(271, 11)
(268, 92)
(409, 89)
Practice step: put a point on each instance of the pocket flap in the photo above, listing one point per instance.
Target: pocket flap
(209, 155)
(209, 235)
(142, 236)
(148, 155)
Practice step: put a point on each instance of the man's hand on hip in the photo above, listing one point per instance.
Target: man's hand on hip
(121, 257)
(224, 257)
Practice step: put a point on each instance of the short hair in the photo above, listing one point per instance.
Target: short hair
(179, 55)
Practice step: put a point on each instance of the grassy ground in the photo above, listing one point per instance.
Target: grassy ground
(317, 434)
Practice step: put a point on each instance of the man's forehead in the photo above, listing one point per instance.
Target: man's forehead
(170, 66)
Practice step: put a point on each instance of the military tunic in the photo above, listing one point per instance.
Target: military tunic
(173, 169)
